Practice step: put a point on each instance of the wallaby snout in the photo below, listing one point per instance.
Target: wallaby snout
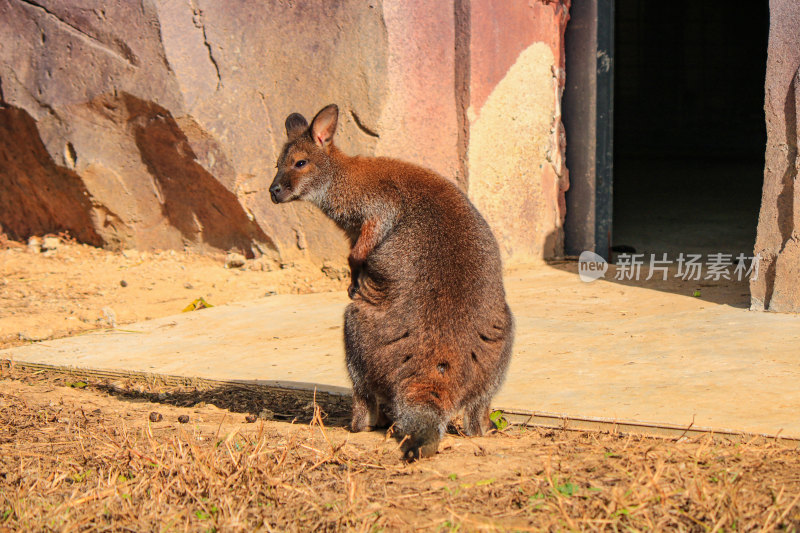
(276, 190)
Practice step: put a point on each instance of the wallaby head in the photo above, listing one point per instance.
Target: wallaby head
(304, 166)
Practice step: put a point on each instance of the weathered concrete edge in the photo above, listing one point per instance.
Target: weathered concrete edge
(514, 416)
(636, 427)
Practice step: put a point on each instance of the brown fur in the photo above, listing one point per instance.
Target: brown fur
(429, 332)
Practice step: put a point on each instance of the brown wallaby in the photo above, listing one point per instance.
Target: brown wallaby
(429, 332)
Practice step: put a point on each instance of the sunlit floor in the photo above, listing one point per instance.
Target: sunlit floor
(669, 352)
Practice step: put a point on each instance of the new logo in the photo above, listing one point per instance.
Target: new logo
(591, 266)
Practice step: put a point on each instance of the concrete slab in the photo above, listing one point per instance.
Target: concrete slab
(646, 352)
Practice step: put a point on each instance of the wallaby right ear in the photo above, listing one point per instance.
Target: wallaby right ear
(324, 125)
(295, 125)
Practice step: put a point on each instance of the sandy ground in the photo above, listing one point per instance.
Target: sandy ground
(75, 288)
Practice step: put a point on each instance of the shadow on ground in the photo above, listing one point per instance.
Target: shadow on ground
(732, 293)
(287, 405)
(290, 405)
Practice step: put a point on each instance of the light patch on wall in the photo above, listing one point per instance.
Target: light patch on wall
(510, 173)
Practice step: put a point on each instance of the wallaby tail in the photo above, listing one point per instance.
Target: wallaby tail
(425, 401)
(422, 427)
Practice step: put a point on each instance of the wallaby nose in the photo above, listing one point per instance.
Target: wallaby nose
(273, 192)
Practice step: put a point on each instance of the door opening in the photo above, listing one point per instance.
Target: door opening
(689, 132)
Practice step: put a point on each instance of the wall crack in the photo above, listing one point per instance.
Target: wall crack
(198, 22)
(362, 127)
(123, 54)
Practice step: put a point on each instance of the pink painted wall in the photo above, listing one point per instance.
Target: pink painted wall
(517, 175)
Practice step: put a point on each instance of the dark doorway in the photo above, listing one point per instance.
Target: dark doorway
(689, 132)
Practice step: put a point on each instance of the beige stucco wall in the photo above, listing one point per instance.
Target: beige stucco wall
(512, 180)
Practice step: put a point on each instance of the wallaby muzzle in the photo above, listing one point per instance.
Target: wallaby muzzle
(277, 191)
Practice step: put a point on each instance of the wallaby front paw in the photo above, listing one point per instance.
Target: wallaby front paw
(352, 290)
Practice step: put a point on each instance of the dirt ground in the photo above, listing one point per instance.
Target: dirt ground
(82, 453)
(75, 288)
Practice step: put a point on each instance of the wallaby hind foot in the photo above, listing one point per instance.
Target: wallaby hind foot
(476, 418)
(367, 415)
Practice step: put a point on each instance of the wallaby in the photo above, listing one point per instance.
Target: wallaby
(428, 332)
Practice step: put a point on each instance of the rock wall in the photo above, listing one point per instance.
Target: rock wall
(778, 240)
(157, 124)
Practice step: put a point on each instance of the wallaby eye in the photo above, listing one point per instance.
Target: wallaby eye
(301, 163)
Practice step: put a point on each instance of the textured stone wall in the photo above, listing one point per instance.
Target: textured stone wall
(156, 124)
(168, 116)
(777, 287)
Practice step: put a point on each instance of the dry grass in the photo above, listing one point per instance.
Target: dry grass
(66, 464)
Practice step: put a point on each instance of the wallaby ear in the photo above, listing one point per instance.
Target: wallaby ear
(295, 125)
(324, 125)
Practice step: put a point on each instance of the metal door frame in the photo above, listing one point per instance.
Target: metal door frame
(588, 114)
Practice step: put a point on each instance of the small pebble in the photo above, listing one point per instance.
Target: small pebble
(155, 417)
(234, 260)
(123, 283)
(183, 419)
(188, 285)
(250, 419)
(34, 336)
(50, 243)
(110, 317)
(35, 244)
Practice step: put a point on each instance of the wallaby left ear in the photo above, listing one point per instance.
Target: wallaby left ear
(295, 125)
(323, 127)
